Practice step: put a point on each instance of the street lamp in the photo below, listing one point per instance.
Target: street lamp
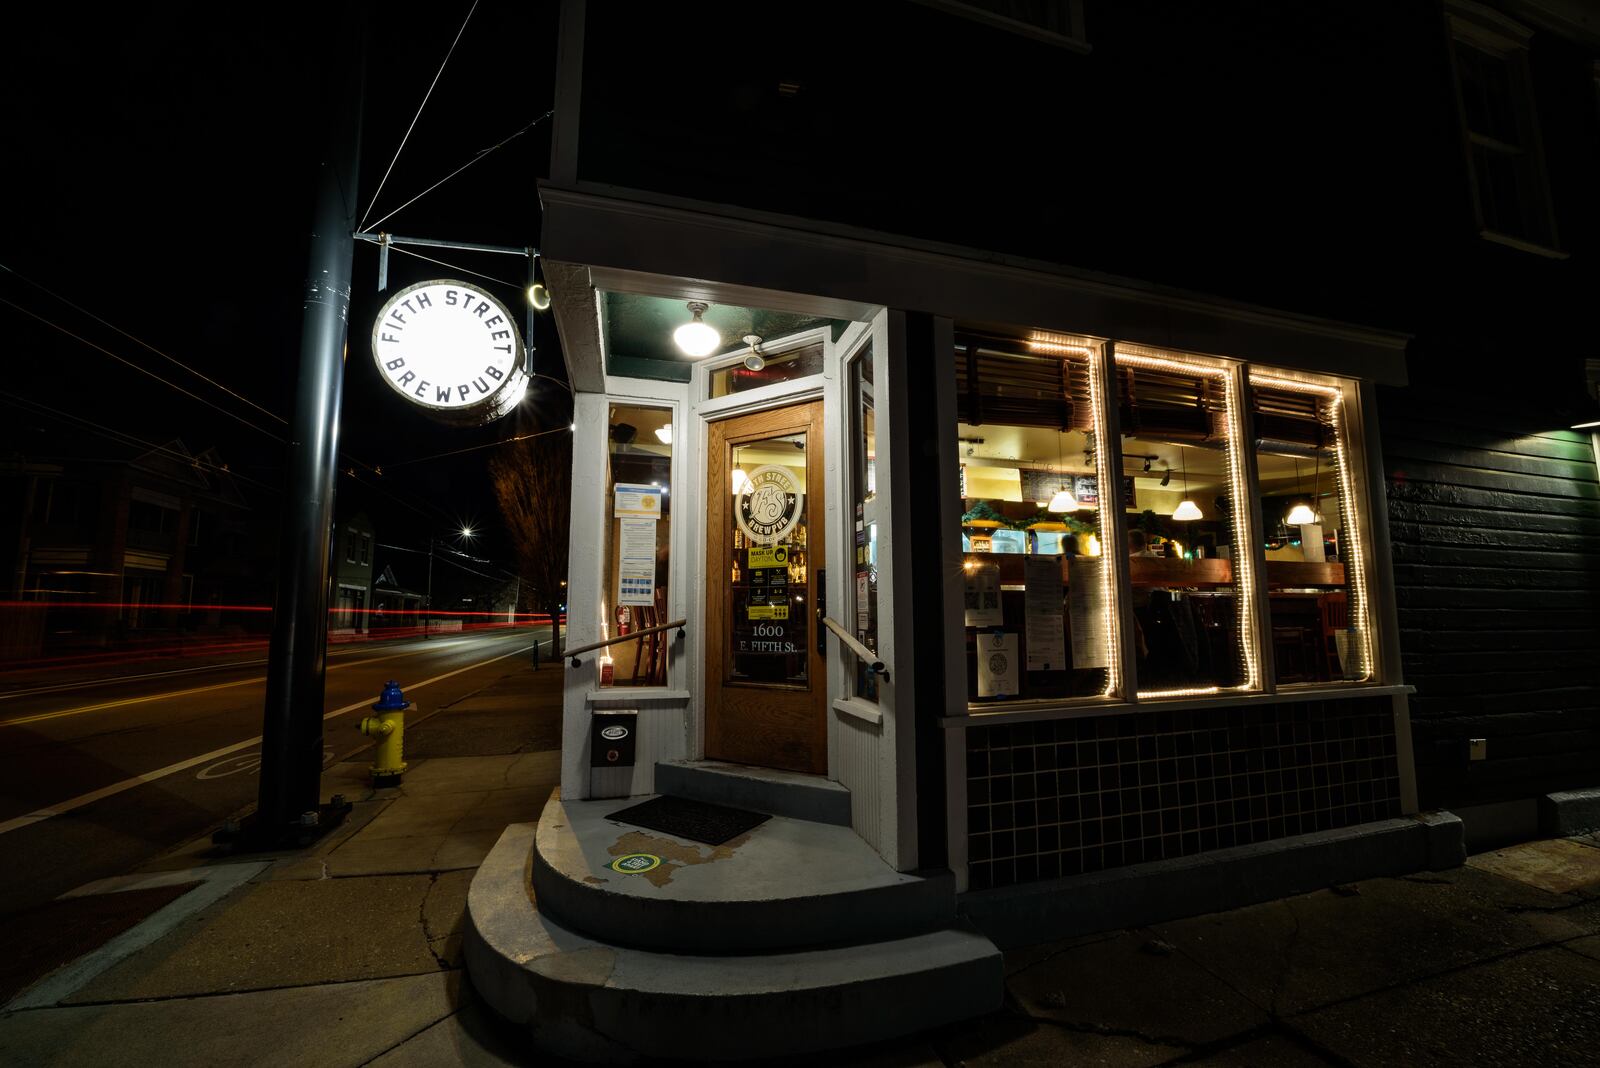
(433, 540)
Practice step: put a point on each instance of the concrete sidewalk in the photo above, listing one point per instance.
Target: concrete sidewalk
(349, 953)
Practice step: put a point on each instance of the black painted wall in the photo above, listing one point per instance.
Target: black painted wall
(1301, 157)
(1494, 514)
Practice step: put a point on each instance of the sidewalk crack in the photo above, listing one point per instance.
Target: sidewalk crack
(1106, 1031)
(422, 918)
(1087, 941)
(1285, 961)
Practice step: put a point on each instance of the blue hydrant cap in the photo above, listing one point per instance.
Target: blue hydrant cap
(392, 699)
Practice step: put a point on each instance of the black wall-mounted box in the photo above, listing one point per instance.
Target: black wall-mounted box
(611, 739)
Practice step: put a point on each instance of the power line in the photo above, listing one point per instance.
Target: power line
(122, 437)
(376, 470)
(475, 448)
(173, 385)
(139, 341)
(504, 576)
(142, 370)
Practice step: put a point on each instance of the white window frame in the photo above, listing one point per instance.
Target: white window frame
(1485, 30)
(668, 398)
(1073, 40)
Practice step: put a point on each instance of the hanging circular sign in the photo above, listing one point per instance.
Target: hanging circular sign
(769, 504)
(452, 349)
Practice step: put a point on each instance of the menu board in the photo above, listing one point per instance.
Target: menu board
(1086, 603)
(1042, 615)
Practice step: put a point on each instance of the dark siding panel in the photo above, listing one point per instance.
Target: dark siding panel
(1495, 523)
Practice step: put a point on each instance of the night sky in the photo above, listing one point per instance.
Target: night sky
(161, 170)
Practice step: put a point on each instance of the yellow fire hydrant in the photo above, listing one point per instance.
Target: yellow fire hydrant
(389, 727)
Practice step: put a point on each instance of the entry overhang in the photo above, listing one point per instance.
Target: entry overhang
(589, 233)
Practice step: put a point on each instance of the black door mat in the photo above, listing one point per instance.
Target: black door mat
(694, 820)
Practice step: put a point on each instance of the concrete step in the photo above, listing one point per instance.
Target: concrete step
(782, 793)
(786, 884)
(594, 1002)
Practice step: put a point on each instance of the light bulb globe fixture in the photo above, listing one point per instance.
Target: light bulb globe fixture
(696, 338)
(1300, 515)
(1062, 500)
(1186, 509)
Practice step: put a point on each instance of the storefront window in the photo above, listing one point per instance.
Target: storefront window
(1189, 563)
(760, 367)
(864, 487)
(639, 502)
(1316, 592)
(1033, 486)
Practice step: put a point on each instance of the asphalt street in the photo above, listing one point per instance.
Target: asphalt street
(99, 775)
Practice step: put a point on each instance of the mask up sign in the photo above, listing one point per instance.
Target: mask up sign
(451, 349)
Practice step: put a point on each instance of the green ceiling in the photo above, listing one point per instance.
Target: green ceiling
(638, 332)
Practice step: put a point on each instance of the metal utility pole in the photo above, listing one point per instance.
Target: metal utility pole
(428, 618)
(291, 742)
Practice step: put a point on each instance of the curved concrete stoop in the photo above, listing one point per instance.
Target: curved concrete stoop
(589, 1000)
(789, 884)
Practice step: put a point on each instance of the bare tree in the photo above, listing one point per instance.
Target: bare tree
(533, 483)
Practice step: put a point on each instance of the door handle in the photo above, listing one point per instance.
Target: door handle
(822, 612)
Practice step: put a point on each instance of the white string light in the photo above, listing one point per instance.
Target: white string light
(1355, 570)
(1111, 596)
(1243, 562)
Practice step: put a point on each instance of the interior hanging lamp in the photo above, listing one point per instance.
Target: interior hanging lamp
(1302, 513)
(1063, 501)
(1186, 509)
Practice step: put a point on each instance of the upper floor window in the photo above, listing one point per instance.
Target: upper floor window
(1511, 197)
(151, 518)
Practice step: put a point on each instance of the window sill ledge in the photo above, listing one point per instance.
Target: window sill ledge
(858, 710)
(623, 696)
(1035, 713)
(1524, 245)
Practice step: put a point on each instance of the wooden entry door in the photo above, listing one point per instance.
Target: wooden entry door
(765, 681)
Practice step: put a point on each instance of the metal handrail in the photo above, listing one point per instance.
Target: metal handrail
(678, 624)
(870, 658)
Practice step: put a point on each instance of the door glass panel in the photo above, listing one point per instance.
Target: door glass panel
(770, 624)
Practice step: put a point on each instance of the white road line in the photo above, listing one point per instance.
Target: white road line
(90, 798)
(345, 650)
(103, 705)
